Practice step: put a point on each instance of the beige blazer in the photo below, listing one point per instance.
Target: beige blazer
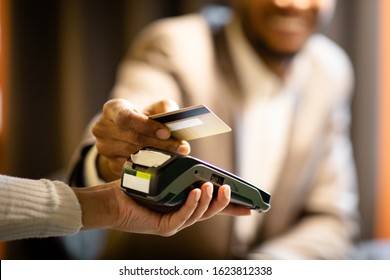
(314, 196)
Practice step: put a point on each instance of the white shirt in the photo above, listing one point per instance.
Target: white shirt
(268, 101)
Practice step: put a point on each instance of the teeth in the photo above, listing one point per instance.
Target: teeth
(288, 24)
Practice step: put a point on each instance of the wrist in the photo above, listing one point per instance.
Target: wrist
(98, 206)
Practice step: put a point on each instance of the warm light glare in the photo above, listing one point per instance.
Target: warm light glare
(304, 4)
(383, 154)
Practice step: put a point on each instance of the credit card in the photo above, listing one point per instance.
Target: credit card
(192, 122)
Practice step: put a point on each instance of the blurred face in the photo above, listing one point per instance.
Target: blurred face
(280, 28)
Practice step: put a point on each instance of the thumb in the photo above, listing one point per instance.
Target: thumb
(162, 106)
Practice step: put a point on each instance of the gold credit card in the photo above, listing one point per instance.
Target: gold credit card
(192, 122)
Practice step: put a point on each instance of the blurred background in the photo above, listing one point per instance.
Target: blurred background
(59, 60)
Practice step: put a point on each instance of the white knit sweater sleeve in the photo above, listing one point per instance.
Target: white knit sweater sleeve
(37, 208)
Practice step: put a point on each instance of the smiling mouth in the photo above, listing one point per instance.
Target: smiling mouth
(288, 24)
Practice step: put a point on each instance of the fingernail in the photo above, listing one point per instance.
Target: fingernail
(163, 134)
(209, 190)
(197, 197)
(226, 191)
(182, 149)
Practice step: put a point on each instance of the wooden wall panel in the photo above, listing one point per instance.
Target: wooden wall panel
(4, 40)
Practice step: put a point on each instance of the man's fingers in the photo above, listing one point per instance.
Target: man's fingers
(203, 205)
(112, 148)
(162, 106)
(172, 223)
(219, 203)
(116, 165)
(124, 115)
(121, 121)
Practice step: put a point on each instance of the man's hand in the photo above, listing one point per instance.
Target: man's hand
(122, 130)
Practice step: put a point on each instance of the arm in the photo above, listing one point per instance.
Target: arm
(44, 208)
(37, 208)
